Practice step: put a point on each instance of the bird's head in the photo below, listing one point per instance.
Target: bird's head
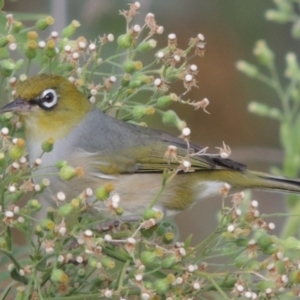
(49, 106)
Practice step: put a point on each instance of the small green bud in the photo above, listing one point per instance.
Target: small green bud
(42, 24)
(296, 30)
(103, 192)
(169, 261)
(165, 101)
(147, 45)
(139, 111)
(259, 108)
(70, 29)
(20, 293)
(93, 262)
(32, 35)
(47, 224)
(149, 213)
(168, 237)
(59, 276)
(170, 118)
(130, 66)
(16, 152)
(47, 146)
(51, 213)
(125, 41)
(242, 242)
(65, 210)
(34, 205)
(39, 231)
(278, 16)
(265, 241)
(291, 243)
(107, 262)
(292, 68)
(81, 272)
(264, 53)
(272, 249)
(149, 259)
(60, 164)
(161, 286)
(5, 40)
(17, 26)
(3, 244)
(31, 49)
(248, 69)
(295, 276)
(50, 49)
(67, 172)
(134, 84)
(7, 66)
(119, 211)
(125, 80)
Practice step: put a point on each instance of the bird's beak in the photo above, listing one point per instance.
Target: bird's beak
(18, 105)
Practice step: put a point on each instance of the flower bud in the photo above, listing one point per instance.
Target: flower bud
(125, 80)
(264, 53)
(32, 35)
(139, 111)
(125, 41)
(107, 262)
(296, 30)
(103, 192)
(7, 66)
(170, 118)
(278, 16)
(59, 276)
(169, 261)
(295, 276)
(50, 49)
(17, 26)
(67, 172)
(47, 146)
(47, 224)
(31, 49)
(161, 286)
(248, 69)
(20, 293)
(165, 101)
(17, 151)
(149, 213)
(149, 259)
(168, 237)
(70, 29)
(130, 66)
(264, 241)
(65, 210)
(147, 45)
(5, 40)
(42, 24)
(34, 205)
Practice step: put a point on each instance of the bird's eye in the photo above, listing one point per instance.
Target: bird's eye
(48, 99)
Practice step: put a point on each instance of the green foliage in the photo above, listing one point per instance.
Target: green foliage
(77, 252)
(287, 91)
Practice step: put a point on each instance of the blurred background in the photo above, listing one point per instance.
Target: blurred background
(231, 29)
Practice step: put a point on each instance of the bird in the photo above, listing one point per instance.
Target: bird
(130, 157)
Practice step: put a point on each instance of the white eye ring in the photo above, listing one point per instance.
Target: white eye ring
(48, 98)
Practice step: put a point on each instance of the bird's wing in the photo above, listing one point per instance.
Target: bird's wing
(122, 148)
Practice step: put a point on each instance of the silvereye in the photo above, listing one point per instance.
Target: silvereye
(129, 156)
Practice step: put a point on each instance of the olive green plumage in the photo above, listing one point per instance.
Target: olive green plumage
(129, 156)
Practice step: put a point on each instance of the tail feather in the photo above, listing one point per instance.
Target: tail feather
(283, 184)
